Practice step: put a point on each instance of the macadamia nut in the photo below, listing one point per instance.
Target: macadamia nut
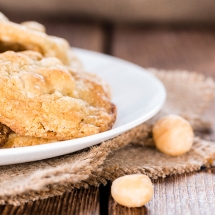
(132, 190)
(173, 135)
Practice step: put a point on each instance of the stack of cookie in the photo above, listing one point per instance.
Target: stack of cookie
(45, 96)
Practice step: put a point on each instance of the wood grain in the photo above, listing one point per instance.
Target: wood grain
(184, 194)
(83, 201)
(78, 34)
(164, 48)
(115, 209)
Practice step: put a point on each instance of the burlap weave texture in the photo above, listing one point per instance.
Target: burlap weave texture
(188, 94)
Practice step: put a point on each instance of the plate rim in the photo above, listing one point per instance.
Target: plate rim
(23, 151)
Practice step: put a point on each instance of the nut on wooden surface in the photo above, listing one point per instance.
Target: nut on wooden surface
(132, 190)
(173, 135)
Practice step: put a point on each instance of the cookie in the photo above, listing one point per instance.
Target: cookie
(41, 97)
(9, 139)
(4, 132)
(30, 36)
(14, 141)
(34, 26)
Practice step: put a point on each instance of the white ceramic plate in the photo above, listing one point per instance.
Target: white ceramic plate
(137, 94)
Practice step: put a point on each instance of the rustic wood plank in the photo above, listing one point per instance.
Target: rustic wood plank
(79, 201)
(185, 194)
(115, 209)
(78, 34)
(163, 48)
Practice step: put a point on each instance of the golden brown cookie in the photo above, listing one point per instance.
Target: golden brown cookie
(14, 141)
(41, 97)
(20, 37)
(9, 139)
(34, 26)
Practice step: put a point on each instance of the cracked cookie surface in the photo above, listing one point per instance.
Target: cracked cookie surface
(41, 97)
(15, 141)
(31, 36)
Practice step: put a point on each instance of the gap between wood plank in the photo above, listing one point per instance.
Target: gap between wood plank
(108, 38)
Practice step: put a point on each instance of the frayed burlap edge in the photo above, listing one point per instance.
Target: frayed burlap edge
(37, 180)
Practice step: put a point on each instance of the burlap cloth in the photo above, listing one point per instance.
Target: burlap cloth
(188, 94)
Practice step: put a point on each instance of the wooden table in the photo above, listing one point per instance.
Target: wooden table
(161, 47)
